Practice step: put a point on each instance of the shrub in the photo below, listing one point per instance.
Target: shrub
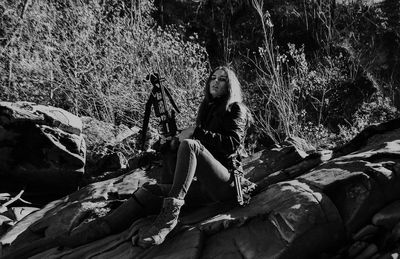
(311, 99)
(277, 114)
(91, 58)
(379, 109)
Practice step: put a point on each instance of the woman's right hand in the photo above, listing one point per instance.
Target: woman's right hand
(185, 134)
(164, 140)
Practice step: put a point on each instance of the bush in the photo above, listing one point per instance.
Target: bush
(92, 58)
(377, 110)
(317, 99)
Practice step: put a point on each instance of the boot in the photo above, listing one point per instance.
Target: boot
(164, 223)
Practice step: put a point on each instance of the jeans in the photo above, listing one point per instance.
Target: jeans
(213, 181)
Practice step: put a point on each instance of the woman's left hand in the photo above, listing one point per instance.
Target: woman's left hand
(186, 133)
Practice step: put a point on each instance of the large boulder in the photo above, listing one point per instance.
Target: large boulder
(90, 202)
(265, 162)
(41, 149)
(306, 209)
(365, 175)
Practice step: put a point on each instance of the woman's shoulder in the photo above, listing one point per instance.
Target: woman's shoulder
(238, 107)
(240, 110)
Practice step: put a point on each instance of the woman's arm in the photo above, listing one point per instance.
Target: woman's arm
(186, 133)
(233, 131)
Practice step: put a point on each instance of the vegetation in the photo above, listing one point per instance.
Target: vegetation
(315, 69)
(333, 92)
(92, 58)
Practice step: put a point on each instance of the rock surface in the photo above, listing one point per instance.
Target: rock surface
(308, 208)
(41, 149)
(104, 142)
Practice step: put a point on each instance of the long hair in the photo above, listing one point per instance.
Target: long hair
(234, 92)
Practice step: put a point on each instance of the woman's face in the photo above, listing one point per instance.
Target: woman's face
(219, 83)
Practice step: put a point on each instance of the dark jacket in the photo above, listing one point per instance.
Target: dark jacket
(222, 132)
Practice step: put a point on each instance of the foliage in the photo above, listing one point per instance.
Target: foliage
(311, 69)
(92, 58)
(278, 116)
(378, 110)
(327, 98)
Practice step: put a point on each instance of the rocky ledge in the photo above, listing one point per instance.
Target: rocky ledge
(330, 204)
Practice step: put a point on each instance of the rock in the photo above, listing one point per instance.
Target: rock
(115, 161)
(189, 244)
(368, 252)
(144, 159)
(312, 206)
(4, 219)
(4, 197)
(110, 162)
(90, 202)
(396, 233)
(388, 216)
(366, 232)
(41, 148)
(185, 245)
(288, 220)
(21, 112)
(118, 245)
(5, 224)
(105, 145)
(275, 223)
(362, 182)
(361, 140)
(356, 248)
(390, 255)
(265, 162)
(98, 132)
(22, 212)
(291, 172)
(299, 143)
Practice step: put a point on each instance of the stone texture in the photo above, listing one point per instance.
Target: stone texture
(105, 143)
(356, 248)
(97, 132)
(388, 216)
(395, 233)
(363, 181)
(368, 252)
(366, 232)
(265, 162)
(41, 148)
(110, 162)
(310, 206)
(287, 220)
(90, 202)
(293, 171)
(11, 113)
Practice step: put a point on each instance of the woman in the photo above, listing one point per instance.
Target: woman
(207, 152)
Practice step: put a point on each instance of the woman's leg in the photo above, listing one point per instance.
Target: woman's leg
(192, 158)
(195, 160)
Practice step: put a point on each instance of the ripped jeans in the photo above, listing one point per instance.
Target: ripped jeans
(196, 176)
